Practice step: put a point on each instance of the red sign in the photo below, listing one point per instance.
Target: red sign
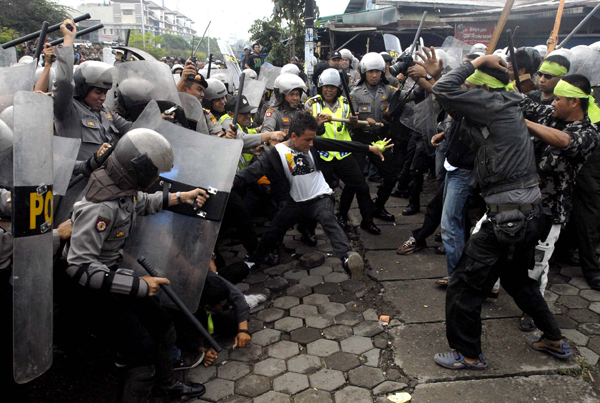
(475, 32)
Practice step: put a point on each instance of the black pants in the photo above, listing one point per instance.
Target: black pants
(585, 222)
(189, 338)
(416, 164)
(433, 217)
(348, 170)
(319, 209)
(483, 261)
(236, 216)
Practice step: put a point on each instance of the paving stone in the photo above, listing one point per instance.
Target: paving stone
(283, 349)
(236, 399)
(372, 357)
(321, 271)
(305, 335)
(342, 361)
(218, 389)
(304, 364)
(573, 301)
(327, 288)
(223, 356)
(564, 322)
(202, 374)
(312, 260)
(313, 396)
(575, 336)
(255, 326)
(365, 377)
(319, 321)
(288, 324)
(290, 383)
(564, 289)
(549, 296)
(332, 308)
(354, 395)
(270, 315)
(368, 329)
(322, 348)
(591, 295)
(590, 329)
(571, 271)
(357, 344)
(393, 374)
(286, 302)
(303, 311)
(588, 355)
(558, 309)
(327, 379)
(233, 370)
(354, 306)
(580, 283)
(252, 386)
(337, 332)
(342, 297)
(299, 290)
(381, 340)
(279, 270)
(269, 367)
(349, 318)
(335, 277)
(266, 337)
(594, 344)
(311, 281)
(333, 262)
(295, 274)
(371, 314)
(389, 387)
(276, 284)
(388, 266)
(242, 286)
(353, 286)
(583, 315)
(545, 388)
(256, 278)
(246, 354)
(325, 248)
(273, 397)
(315, 299)
(595, 306)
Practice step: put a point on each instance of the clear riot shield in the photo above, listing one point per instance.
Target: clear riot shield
(191, 106)
(178, 244)
(20, 77)
(6, 155)
(268, 74)
(32, 230)
(590, 63)
(231, 63)
(456, 50)
(253, 91)
(108, 56)
(425, 120)
(8, 57)
(392, 45)
(64, 157)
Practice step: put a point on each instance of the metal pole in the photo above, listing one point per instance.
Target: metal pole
(578, 27)
(41, 40)
(79, 33)
(513, 60)
(309, 44)
(143, 28)
(34, 35)
(418, 34)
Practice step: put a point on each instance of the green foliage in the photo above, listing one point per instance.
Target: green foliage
(173, 46)
(7, 34)
(26, 16)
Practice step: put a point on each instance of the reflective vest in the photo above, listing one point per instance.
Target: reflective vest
(245, 158)
(333, 130)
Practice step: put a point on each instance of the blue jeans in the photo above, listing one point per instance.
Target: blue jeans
(458, 187)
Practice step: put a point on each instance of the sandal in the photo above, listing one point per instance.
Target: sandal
(551, 348)
(455, 360)
(526, 323)
(440, 250)
(443, 282)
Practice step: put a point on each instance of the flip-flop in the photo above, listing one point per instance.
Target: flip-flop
(455, 360)
(564, 346)
(443, 282)
(526, 323)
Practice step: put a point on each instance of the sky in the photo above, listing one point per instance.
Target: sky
(227, 16)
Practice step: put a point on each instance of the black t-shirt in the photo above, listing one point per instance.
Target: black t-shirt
(536, 96)
(255, 62)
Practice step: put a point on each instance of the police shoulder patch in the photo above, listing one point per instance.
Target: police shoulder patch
(206, 111)
(102, 224)
(394, 88)
(269, 112)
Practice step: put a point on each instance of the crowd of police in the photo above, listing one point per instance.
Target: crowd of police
(516, 137)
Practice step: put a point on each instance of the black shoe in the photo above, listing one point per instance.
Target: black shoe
(371, 228)
(526, 323)
(594, 283)
(308, 237)
(179, 388)
(188, 360)
(438, 237)
(272, 259)
(376, 179)
(400, 193)
(383, 214)
(343, 221)
(410, 210)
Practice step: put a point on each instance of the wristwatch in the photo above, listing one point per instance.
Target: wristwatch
(428, 77)
(243, 331)
(178, 194)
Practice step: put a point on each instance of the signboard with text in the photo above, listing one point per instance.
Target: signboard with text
(474, 32)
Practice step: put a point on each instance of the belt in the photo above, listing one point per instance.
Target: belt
(497, 208)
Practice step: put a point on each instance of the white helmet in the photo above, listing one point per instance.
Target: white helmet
(346, 54)
(176, 67)
(288, 82)
(372, 61)
(250, 74)
(290, 68)
(478, 48)
(330, 77)
(25, 60)
(216, 89)
(595, 46)
(543, 49)
(93, 74)
(500, 52)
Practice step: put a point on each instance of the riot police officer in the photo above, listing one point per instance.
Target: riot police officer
(353, 75)
(289, 89)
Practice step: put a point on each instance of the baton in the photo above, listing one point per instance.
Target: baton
(360, 122)
(184, 309)
(239, 101)
(343, 78)
(41, 39)
(201, 40)
(418, 34)
(578, 27)
(80, 33)
(50, 29)
(209, 63)
(513, 59)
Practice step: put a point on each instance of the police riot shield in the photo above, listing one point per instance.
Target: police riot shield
(253, 91)
(191, 106)
(268, 74)
(32, 230)
(392, 45)
(108, 56)
(6, 155)
(425, 120)
(8, 57)
(231, 63)
(589, 65)
(179, 242)
(20, 77)
(65, 152)
(456, 51)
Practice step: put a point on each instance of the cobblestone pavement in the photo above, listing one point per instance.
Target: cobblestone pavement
(318, 336)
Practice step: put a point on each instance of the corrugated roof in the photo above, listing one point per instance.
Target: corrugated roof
(466, 4)
(529, 6)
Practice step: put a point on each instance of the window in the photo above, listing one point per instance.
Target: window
(127, 12)
(111, 31)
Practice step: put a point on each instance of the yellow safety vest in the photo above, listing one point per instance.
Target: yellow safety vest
(245, 158)
(333, 130)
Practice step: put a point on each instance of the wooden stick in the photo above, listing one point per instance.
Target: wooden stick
(554, 34)
(360, 122)
(500, 27)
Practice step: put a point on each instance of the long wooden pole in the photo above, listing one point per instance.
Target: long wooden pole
(554, 34)
(500, 26)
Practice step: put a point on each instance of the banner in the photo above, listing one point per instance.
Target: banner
(475, 32)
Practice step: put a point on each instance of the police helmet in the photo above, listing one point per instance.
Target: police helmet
(216, 89)
(346, 54)
(285, 83)
(177, 67)
(372, 61)
(250, 74)
(25, 60)
(543, 49)
(290, 68)
(7, 116)
(386, 57)
(93, 74)
(330, 77)
(595, 46)
(478, 48)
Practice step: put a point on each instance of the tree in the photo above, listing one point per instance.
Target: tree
(26, 16)
(268, 34)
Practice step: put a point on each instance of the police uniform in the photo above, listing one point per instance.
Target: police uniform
(6, 238)
(208, 124)
(353, 78)
(279, 118)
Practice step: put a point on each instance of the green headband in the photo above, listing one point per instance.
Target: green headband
(565, 89)
(480, 78)
(553, 68)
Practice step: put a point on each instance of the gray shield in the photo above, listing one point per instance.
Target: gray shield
(20, 77)
(32, 231)
(254, 90)
(8, 57)
(425, 120)
(268, 74)
(64, 156)
(589, 65)
(180, 246)
(392, 45)
(231, 62)
(456, 51)
(131, 52)
(191, 106)
(108, 56)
